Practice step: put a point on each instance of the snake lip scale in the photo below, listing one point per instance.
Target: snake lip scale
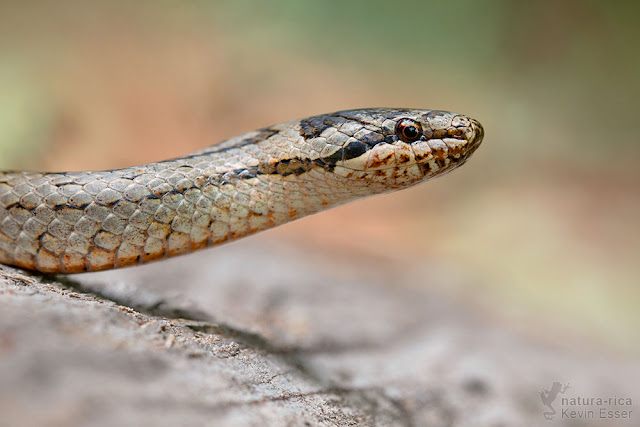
(71, 222)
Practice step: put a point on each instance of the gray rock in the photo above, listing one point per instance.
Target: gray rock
(255, 335)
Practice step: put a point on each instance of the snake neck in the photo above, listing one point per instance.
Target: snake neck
(90, 221)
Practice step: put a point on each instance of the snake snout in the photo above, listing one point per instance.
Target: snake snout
(477, 134)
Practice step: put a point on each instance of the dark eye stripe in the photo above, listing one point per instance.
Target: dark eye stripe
(354, 149)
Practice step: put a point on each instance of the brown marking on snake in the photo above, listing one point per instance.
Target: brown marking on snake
(376, 161)
(259, 215)
(73, 262)
(284, 167)
(455, 151)
(439, 153)
(47, 261)
(404, 158)
(128, 254)
(271, 218)
(199, 245)
(293, 166)
(219, 240)
(179, 243)
(236, 234)
(420, 157)
(201, 181)
(100, 259)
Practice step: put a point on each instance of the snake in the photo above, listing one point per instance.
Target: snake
(72, 222)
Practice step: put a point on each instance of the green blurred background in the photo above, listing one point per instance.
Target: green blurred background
(539, 229)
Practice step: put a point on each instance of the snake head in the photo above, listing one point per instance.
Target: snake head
(400, 147)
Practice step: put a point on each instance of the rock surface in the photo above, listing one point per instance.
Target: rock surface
(253, 334)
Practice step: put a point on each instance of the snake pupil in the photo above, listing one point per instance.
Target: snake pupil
(410, 132)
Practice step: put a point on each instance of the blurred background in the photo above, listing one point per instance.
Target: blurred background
(539, 229)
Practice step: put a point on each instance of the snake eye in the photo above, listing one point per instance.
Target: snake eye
(408, 130)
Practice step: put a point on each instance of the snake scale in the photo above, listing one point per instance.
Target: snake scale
(88, 221)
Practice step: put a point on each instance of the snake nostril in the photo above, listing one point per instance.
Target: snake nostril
(456, 133)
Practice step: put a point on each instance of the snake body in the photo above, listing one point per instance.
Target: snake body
(96, 220)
